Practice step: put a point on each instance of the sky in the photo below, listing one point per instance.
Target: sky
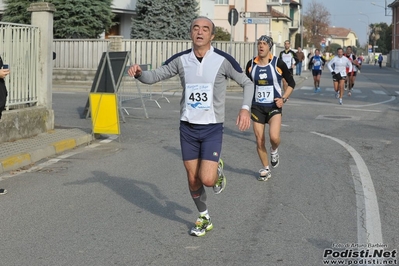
(346, 14)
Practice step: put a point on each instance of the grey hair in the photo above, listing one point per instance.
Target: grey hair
(200, 17)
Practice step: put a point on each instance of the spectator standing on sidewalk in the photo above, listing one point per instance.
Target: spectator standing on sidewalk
(301, 56)
(3, 98)
(3, 90)
(380, 58)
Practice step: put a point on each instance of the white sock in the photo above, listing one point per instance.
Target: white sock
(267, 167)
(273, 151)
(205, 213)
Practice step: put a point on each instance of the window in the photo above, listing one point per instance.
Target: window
(221, 2)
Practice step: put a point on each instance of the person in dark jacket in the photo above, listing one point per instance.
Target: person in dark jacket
(380, 58)
(3, 98)
(3, 90)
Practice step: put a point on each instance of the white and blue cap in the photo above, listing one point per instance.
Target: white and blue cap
(267, 39)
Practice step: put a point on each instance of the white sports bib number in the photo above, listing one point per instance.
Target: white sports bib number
(199, 96)
(264, 94)
(287, 60)
(343, 73)
(317, 63)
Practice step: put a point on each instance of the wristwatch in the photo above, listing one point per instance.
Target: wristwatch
(284, 100)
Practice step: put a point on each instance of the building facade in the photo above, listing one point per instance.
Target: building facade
(124, 10)
(393, 59)
(342, 36)
(395, 24)
(285, 17)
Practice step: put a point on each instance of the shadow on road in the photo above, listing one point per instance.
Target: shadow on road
(142, 194)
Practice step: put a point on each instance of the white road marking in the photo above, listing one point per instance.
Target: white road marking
(368, 214)
(307, 88)
(379, 92)
(393, 98)
(332, 117)
(360, 204)
(353, 90)
(361, 110)
(109, 139)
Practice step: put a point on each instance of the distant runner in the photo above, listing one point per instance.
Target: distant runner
(337, 67)
(351, 75)
(317, 62)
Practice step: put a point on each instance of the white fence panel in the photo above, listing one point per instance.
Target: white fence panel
(80, 54)
(86, 54)
(20, 49)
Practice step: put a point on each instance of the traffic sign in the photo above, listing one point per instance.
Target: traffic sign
(233, 16)
(258, 14)
(256, 21)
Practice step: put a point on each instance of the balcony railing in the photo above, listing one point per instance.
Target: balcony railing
(295, 24)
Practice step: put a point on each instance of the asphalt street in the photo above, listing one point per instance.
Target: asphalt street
(124, 199)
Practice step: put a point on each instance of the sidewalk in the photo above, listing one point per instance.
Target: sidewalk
(23, 152)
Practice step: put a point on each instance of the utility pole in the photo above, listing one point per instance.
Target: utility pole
(301, 18)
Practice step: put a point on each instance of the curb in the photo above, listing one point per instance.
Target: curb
(23, 159)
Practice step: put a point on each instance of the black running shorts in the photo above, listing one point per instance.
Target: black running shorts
(262, 114)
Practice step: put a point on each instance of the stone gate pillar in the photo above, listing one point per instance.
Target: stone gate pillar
(42, 17)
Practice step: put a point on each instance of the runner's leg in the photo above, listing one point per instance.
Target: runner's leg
(274, 131)
(259, 130)
(318, 80)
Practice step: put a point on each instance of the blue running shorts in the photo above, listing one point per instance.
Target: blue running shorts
(201, 141)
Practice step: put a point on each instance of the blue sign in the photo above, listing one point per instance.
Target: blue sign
(249, 20)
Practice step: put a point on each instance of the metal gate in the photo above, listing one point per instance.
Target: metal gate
(19, 48)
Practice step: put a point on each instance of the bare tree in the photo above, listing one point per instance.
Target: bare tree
(316, 21)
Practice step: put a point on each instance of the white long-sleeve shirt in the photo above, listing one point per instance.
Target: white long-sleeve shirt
(204, 84)
(339, 65)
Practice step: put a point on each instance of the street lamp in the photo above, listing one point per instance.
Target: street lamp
(373, 3)
(384, 7)
(368, 27)
(367, 33)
